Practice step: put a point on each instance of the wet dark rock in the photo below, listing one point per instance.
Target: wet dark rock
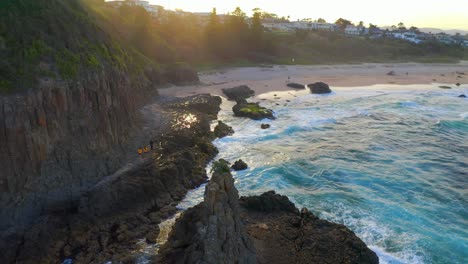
(282, 234)
(296, 85)
(268, 202)
(211, 232)
(391, 73)
(445, 87)
(462, 96)
(222, 130)
(238, 93)
(252, 110)
(239, 165)
(458, 84)
(319, 88)
(265, 126)
(201, 103)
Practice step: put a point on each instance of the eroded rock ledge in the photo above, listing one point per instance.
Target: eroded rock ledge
(258, 229)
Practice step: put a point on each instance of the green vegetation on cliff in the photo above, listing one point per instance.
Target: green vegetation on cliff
(65, 40)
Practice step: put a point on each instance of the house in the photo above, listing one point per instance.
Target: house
(152, 9)
(324, 26)
(354, 30)
(275, 26)
(409, 36)
(205, 17)
(445, 38)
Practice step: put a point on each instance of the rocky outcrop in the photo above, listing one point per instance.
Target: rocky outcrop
(279, 231)
(110, 216)
(239, 165)
(319, 88)
(282, 234)
(445, 87)
(296, 85)
(222, 130)
(238, 93)
(211, 232)
(462, 96)
(252, 110)
(265, 126)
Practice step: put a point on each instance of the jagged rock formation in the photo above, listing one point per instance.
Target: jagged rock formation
(211, 232)
(238, 93)
(319, 88)
(222, 130)
(282, 234)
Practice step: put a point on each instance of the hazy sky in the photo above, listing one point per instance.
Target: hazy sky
(446, 14)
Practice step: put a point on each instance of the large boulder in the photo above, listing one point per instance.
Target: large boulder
(238, 93)
(319, 88)
(252, 110)
(239, 165)
(222, 130)
(296, 85)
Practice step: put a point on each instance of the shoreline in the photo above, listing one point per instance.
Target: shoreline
(274, 78)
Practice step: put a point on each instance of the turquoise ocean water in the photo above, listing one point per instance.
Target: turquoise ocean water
(389, 162)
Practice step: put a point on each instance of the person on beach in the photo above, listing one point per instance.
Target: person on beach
(151, 144)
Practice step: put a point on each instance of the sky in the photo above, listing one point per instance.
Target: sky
(444, 14)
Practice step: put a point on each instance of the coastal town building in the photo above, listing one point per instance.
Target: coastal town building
(351, 30)
(152, 9)
(408, 36)
(299, 25)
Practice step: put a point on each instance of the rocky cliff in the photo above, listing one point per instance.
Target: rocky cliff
(258, 229)
(70, 94)
(57, 141)
(110, 216)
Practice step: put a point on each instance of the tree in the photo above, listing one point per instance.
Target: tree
(256, 30)
(213, 36)
(343, 23)
(361, 23)
(401, 26)
(321, 20)
(414, 29)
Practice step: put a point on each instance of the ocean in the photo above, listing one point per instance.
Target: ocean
(388, 161)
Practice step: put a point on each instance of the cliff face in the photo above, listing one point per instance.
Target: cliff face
(60, 139)
(110, 216)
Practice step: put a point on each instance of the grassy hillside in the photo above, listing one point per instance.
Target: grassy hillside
(56, 39)
(328, 48)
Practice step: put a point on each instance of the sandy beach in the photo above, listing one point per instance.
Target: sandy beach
(274, 78)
